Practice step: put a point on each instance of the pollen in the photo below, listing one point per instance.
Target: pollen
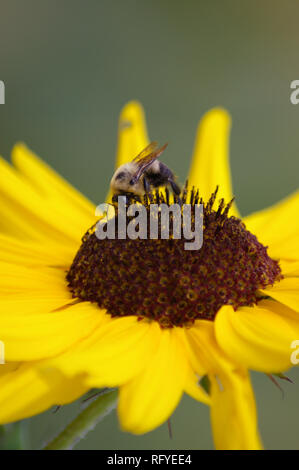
(160, 280)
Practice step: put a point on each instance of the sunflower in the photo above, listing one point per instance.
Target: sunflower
(112, 321)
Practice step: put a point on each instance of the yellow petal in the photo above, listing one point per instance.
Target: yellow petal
(192, 386)
(281, 310)
(194, 389)
(210, 161)
(115, 353)
(233, 413)
(33, 388)
(38, 335)
(150, 398)
(50, 184)
(132, 134)
(22, 279)
(8, 367)
(289, 268)
(286, 249)
(49, 218)
(24, 303)
(16, 226)
(276, 224)
(286, 291)
(256, 337)
(30, 253)
(204, 353)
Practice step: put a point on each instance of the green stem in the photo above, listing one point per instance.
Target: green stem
(84, 422)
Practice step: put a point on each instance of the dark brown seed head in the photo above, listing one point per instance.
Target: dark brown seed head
(160, 280)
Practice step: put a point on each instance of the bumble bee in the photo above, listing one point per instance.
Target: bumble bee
(143, 174)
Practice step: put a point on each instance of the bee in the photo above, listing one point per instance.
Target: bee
(143, 174)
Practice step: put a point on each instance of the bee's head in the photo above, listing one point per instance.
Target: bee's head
(123, 180)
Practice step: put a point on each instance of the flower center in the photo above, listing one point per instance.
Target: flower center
(159, 279)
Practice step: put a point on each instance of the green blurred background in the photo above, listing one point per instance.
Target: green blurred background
(69, 66)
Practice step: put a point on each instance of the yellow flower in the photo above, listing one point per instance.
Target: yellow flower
(56, 348)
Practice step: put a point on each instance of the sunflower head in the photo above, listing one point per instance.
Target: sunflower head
(149, 316)
(160, 280)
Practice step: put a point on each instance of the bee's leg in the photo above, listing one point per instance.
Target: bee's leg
(146, 185)
(179, 200)
(176, 190)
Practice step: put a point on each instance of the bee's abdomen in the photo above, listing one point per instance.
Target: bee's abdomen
(159, 175)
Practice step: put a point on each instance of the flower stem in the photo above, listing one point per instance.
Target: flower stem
(84, 422)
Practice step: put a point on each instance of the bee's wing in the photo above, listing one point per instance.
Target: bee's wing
(145, 158)
(149, 149)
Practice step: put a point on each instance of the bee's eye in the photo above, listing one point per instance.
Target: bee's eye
(132, 182)
(120, 175)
